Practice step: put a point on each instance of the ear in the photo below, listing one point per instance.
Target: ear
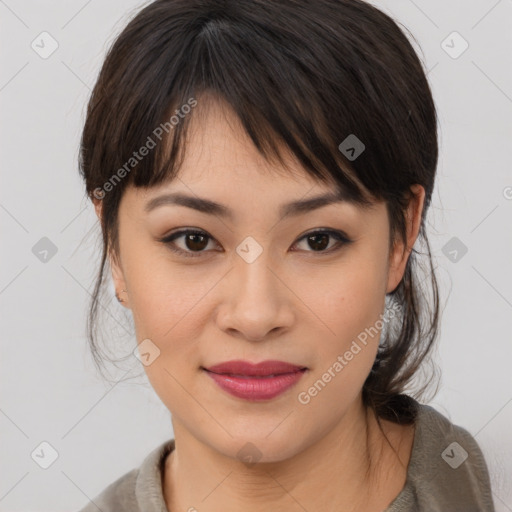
(400, 252)
(115, 265)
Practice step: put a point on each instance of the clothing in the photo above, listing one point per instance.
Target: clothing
(439, 476)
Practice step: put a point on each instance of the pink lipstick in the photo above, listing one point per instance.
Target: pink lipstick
(255, 382)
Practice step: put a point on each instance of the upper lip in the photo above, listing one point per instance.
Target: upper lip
(239, 367)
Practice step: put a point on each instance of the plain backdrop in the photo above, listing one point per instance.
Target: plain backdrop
(97, 430)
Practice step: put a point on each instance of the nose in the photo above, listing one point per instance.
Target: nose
(256, 302)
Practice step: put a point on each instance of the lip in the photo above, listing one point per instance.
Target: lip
(255, 382)
(246, 368)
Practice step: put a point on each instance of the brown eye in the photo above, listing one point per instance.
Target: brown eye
(194, 242)
(319, 240)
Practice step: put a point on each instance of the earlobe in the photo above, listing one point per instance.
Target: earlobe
(400, 252)
(119, 281)
(97, 207)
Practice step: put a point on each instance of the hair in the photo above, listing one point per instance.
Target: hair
(299, 75)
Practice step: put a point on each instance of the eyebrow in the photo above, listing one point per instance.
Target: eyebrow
(212, 208)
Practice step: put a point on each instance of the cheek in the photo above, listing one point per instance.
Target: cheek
(350, 304)
(162, 293)
(170, 306)
(344, 299)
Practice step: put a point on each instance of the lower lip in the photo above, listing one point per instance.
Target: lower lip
(256, 388)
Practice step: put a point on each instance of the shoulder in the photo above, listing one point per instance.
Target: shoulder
(138, 490)
(119, 495)
(447, 469)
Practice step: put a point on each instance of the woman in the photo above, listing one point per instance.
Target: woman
(262, 170)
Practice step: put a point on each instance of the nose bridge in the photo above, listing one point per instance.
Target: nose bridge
(254, 275)
(255, 302)
(252, 261)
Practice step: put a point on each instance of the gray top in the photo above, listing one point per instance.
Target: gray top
(446, 473)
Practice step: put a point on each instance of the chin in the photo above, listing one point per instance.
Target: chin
(261, 448)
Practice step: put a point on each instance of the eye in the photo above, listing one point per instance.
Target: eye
(195, 241)
(319, 240)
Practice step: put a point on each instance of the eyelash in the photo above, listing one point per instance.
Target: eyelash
(340, 237)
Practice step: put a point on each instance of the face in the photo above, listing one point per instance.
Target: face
(254, 285)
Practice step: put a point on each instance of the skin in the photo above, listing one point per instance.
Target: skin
(301, 306)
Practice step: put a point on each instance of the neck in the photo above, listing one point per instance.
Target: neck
(342, 470)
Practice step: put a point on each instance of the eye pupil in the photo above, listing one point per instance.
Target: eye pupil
(320, 246)
(193, 238)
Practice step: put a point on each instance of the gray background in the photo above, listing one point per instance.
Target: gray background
(50, 390)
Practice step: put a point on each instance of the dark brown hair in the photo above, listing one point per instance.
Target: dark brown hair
(299, 75)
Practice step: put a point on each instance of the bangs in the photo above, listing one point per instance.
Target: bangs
(276, 136)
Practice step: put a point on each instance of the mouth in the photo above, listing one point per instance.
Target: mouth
(255, 382)
(255, 376)
(239, 368)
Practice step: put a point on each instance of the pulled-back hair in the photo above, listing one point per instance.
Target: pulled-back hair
(300, 75)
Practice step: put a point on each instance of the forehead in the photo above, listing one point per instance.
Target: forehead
(217, 141)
